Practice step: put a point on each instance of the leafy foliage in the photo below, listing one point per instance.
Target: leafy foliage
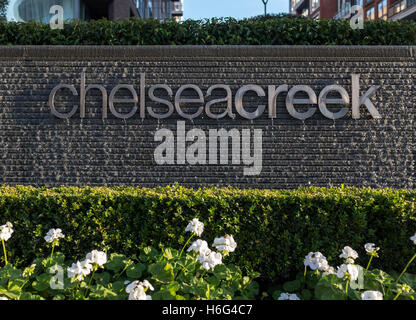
(273, 228)
(262, 30)
(316, 285)
(173, 275)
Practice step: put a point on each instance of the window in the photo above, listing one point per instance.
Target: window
(314, 5)
(140, 8)
(398, 7)
(382, 9)
(25, 10)
(370, 14)
(293, 4)
(149, 9)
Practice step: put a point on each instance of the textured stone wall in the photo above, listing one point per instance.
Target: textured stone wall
(37, 148)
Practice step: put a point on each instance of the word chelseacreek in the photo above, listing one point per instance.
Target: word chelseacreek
(273, 93)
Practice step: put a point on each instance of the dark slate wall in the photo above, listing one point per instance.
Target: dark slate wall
(39, 149)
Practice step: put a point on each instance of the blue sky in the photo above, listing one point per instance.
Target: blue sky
(198, 9)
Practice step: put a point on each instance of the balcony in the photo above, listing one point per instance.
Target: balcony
(405, 9)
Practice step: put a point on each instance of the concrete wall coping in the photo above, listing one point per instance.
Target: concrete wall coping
(85, 52)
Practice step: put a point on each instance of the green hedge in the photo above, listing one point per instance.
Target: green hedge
(285, 30)
(274, 229)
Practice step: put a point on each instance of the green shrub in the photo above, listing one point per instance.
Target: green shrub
(193, 274)
(350, 281)
(274, 229)
(270, 30)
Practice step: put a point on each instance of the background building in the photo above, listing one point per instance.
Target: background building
(160, 9)
(25, 10)
(338, 9)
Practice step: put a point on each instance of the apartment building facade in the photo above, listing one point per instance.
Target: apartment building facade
(160, 9)
(339, 9)
(39, 10)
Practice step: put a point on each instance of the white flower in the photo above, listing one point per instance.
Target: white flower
(370, 247)
(329, 271)
(146, 284)
(372, 295)
(6, 231)
(54, 234)
(348, 270)
(138, 293)
(209, 259)
(195, 226)
(353, 272)
(97, 257)
(79, 270)
(132, 285)
(199, 246)
(137, 290)
(226, 243)
(86, 267)
(3, 298)
(413, 238)
(288, 296)
(349, 254)
(316, 260)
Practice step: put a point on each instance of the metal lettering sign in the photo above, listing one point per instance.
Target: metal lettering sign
(138, 100)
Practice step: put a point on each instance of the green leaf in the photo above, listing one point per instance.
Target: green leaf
(148, 254)
(58, 258)
(119, 286)
(329, 288)
(409, 279)
(214, 281)
(162, 271)
(30, 296)
(42, 282)
(292, 286)
(102, 278)
(9, 294)
(9, 272)
(116, 262)
(221, 272)
(169, 253)
(252, 290)
(100, 292)
(135, 271)
(377, 280)
(163, 295)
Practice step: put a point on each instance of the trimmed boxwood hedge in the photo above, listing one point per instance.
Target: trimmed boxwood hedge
(280, 30)
(274, 229)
